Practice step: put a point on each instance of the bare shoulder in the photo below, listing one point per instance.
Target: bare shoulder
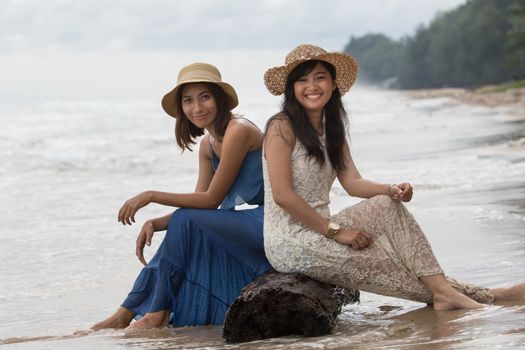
(241, 123)
(241, 129)
(280, 126)
(279, 122)
(205, 141)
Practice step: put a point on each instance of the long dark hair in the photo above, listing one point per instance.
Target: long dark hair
(335, 123)
(186, 132)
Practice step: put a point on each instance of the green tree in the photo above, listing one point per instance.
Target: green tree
(480, 42)
(377, 54)
(414, 66)
(516, 42)
(464, 47)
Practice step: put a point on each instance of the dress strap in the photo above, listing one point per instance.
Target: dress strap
(211, 146)
(214, 158)
(214, 154)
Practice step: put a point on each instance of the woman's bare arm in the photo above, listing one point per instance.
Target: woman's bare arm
(355, 185)
(353, 182)
(278, 147)
(237, 142)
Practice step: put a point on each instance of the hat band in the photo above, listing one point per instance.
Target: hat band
(199, 75)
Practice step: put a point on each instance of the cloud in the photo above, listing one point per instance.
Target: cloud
(120, 25)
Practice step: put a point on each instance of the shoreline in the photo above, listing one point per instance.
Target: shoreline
(487, 96)
(512, 101)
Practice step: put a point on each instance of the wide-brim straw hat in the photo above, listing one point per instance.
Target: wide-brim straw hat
(198, 73)
(345, 65)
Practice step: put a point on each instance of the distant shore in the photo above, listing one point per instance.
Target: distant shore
(512, 99)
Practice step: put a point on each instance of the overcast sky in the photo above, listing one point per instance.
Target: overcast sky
(129, 50)
(116, 25)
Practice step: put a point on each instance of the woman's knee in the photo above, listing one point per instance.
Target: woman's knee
(385, 202)
(179, 224)
(180, 216)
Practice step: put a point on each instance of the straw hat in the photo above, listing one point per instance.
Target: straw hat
(345, 68)
(198, 73)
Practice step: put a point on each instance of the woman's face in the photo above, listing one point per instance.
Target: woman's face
(198, 105)
(314, 90)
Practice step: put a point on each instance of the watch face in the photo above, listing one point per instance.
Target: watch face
(333, 226)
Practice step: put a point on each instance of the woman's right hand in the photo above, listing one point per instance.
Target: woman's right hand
(144, 238)
(355, 239)
(126, 214)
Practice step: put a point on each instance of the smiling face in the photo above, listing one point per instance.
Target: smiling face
(313, 90)
(199, 105)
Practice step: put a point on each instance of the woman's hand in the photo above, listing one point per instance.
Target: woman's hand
(144, 238)
(402, 192)
(126, 214)
(355, 239)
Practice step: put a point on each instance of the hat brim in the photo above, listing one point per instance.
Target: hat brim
(169, 101)
(346, 69)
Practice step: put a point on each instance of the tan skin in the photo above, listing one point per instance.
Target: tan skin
(313, 91)
(240, 137)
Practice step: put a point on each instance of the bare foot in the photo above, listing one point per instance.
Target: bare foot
(157, 319)
(516, 292)
(445, 297)
(120, 319)
(450, 299)
(82, 332)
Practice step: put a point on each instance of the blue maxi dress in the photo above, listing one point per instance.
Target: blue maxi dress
(207, 255)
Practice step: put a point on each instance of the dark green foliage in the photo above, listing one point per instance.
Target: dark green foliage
(377, 54)
(480, 42)
(516, 42)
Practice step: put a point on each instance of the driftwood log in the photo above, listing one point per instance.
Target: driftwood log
(278, 304)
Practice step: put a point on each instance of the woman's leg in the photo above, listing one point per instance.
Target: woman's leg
(120, 319)
(400, 262)
(156, 319)
(444, 297)
(489, 296)
(209, 256)
(206, 257)
(516, 292)
(147, 294)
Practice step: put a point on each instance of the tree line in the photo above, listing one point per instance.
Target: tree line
(480, 42)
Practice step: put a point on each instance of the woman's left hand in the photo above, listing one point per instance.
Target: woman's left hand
(143, 239)
(126, 214)
(402, 192)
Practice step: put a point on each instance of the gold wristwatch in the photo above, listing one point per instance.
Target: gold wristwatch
(333, 230)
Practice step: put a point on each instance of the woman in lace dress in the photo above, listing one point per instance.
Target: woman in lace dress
(375, 245)
(208, 254)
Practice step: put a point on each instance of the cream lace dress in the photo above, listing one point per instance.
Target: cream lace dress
(391, 265)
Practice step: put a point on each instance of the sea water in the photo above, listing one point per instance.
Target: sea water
(68, 165)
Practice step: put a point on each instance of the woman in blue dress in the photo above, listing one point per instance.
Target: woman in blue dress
(208, 253)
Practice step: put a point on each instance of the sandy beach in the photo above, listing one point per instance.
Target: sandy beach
(488, 96)
(508, 101)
